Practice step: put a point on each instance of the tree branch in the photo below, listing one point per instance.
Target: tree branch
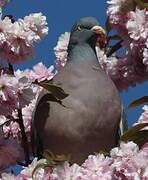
(114, 48)
(11, 68)
(24, 137)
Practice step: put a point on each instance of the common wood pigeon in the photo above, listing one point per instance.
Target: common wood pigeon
(90, 121)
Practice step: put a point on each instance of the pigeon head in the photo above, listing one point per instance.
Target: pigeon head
(83, 38)
(86, 30)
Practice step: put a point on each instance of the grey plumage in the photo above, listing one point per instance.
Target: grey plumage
(91, 121)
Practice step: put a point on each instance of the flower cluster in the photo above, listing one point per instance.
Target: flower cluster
(15, 92)
(125, 162)
(18, 92)
(125, 71)
(12, 128)
(8, 94)
(40, 73)
(61, 50)
(131, 23)
(144, 117)
(17, 38)
(10, 152)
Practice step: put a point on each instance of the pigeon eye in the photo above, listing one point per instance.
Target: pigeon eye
(79, 28)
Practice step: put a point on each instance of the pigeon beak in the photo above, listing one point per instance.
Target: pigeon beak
(98, 30)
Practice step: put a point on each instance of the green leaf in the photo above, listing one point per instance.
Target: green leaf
(41, 165)
(48, 155)
(57, 159)
(115, 37)
(141, 4)
(127, 136)
(56, 90)
(108, 25)
(138, 102)
(140, 138)
(61, 158)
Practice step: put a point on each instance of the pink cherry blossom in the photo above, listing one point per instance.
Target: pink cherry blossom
(10, 152)
(66, 172)
(125, 71)
(129, 162)
(125, 151)
(14, 42)
(26, 173)
(26, 92)
(25, 99)
(27, 117)
(7, 176)
(13, 129)
(61, 50)
(132, 26)
(36, 22)
(40, 72)
(16, 39)
(141, 163)
(41, 173)
(97, 167)
(137, 25)
(145, 55)
(144, 117)
(126, 162)
(117, 18)
(144, 148)
(8, 94)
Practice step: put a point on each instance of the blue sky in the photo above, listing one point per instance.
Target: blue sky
(61, 14)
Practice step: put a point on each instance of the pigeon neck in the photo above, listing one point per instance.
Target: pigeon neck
(81, 52)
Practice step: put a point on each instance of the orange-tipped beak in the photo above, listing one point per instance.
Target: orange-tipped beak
(99, 30)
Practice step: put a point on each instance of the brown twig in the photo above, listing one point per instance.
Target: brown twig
(11, 68)
(24, 137)
(114, 48)
(20, 122)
